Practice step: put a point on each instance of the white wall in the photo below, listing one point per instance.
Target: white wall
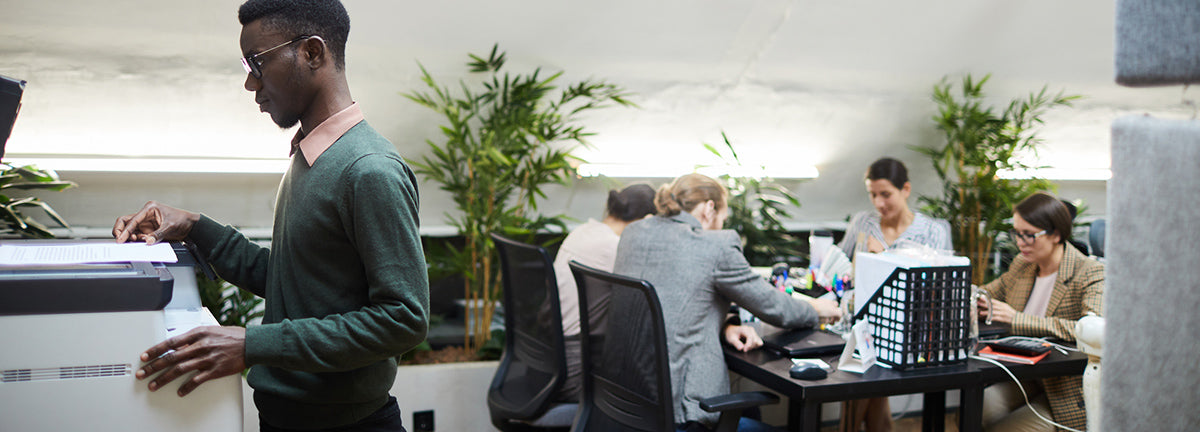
(833, 84)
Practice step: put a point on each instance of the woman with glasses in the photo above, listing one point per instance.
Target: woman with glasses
(1048, 287)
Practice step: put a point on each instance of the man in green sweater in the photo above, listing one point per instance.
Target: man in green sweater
(344, 279)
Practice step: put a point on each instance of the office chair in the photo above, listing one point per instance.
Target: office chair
(626, 375)
(533, 366)
(1096, 237)
(1081, 246)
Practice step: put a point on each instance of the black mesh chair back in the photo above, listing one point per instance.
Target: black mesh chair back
(533, 366)
(626, 377)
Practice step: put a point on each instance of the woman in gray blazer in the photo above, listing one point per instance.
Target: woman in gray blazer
(697, 269)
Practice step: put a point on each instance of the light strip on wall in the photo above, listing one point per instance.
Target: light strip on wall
(1087, 174)
(168, 165)
(672, 171)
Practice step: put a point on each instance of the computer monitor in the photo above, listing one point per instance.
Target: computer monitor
(10, 105)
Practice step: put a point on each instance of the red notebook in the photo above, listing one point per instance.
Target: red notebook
(987, 352)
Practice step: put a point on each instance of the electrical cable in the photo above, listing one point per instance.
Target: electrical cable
(907, 404)
(1023, 394)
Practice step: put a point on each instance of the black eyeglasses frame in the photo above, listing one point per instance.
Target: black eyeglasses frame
(253, 65)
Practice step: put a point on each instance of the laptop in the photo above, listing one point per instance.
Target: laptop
(803, 343)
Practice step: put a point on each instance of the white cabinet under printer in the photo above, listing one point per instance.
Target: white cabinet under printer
(73, 369)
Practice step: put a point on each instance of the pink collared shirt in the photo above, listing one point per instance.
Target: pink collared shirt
(326, 133)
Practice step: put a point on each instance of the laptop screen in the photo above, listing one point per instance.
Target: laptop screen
(10, 105)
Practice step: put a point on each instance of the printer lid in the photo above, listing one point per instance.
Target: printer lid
(79, 288)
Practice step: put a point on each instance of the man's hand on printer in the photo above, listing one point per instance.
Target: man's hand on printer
(155, 222)
(211, 351)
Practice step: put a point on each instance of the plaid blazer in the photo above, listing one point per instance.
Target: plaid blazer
(1078, 290)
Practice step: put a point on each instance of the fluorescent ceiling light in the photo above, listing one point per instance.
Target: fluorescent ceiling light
(672, 171)
(168, 165)
(1099, 174)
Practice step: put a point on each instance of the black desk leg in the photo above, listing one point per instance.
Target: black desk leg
(933, 417)
(970, 409)
(804, 416)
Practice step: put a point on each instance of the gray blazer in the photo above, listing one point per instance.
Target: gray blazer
(696, 274)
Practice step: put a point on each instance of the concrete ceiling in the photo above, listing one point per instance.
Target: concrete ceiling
(831, 83)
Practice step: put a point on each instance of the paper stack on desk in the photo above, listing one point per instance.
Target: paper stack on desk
(835, 263)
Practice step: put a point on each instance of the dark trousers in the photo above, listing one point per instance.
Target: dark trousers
(385, 419)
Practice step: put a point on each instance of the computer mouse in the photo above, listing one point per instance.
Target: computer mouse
(807, 372)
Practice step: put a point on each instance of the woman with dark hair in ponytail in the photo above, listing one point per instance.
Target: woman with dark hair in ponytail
(593, 244)
(697, 269)
(890, 222)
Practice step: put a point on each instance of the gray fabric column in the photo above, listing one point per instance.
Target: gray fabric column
(1151, 378)
(1157, 42)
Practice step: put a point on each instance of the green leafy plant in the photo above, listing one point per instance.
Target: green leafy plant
(757, 208)
(504, 143)
(230, 305)
(28, 177)
(979, 144)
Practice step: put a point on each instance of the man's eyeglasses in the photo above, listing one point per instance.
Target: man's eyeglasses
(1027, 238)
(253, 65)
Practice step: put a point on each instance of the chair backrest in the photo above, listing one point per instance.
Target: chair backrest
(533, 366)
(626, 374)
(1081, 246)
(1096, 237)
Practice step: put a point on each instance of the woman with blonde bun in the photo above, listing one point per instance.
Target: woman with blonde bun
(697, 270)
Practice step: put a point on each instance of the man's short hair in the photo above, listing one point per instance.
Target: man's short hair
(325, 18)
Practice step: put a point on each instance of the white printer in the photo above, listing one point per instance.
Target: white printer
(70, 340)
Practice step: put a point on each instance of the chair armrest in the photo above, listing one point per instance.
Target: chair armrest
(738, 401)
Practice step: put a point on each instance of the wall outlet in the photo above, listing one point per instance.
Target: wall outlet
(422, 421)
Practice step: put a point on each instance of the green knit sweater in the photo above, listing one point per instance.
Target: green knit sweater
(345, 283)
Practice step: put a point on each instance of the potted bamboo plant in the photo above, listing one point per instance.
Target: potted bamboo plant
(980, 143)
(504, 141)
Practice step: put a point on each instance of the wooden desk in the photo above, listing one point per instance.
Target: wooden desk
(805, 397)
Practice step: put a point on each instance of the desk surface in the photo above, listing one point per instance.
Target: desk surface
(771, 371)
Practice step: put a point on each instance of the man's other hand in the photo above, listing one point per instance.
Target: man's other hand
(211, 351)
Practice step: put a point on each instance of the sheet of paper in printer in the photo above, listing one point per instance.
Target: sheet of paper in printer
(85, 253)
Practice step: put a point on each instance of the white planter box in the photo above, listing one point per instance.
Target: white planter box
(456, 392)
